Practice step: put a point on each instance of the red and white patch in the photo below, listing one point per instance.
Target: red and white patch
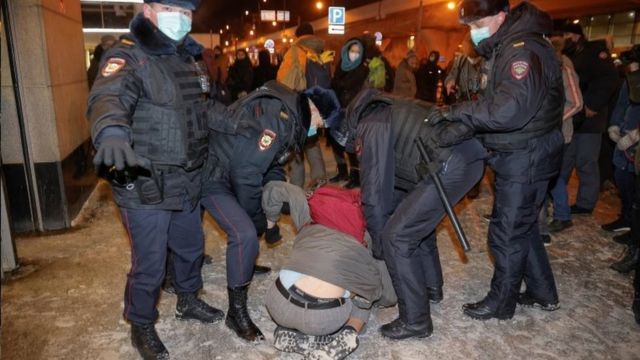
(267, 138)
(519, 69)
(112, 66)
(603, 55)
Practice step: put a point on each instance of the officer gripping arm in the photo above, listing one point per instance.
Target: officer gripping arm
(519, 92)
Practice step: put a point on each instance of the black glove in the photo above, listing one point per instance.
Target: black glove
(449, 133)
(435, 115)
(272, 235)
(115, 150)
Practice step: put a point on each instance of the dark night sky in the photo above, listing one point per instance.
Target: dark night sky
(215, 14)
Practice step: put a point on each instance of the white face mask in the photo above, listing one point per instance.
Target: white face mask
(175, 25)
(353, 56)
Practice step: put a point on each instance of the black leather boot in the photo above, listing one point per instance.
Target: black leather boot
(354, 179)
(238, 318)
(398, 329)
(190, 307)
(145, 339)
(342, 175)
(628, 261)
(480, 311)
(435, 294)
(527, 300)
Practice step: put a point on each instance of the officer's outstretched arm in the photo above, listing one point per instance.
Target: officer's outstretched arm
(519, 92)
(115, 93)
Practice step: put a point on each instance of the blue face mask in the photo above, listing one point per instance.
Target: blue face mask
(312, 131)
(174, 24)
(477, 35)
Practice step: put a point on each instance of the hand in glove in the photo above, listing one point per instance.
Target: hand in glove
(115, 150)
(435, 115)
(628, 140)
(614, 133)
(449, 133)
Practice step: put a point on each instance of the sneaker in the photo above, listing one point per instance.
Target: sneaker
(546, 240)
(527, 300)
(577, 210)
(559, 225)
(344, 343)
(619, 224)
(289, 340)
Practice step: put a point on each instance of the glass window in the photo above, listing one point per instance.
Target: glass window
(599, 27)
(623, 28)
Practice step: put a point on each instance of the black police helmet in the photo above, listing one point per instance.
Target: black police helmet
(187, 4)
(472, 10)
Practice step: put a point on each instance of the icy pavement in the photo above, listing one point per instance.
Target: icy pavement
(66, 300)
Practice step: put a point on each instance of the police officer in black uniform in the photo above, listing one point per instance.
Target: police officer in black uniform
(518, 121)
(401, 204)
(239, 165)
(149, 113)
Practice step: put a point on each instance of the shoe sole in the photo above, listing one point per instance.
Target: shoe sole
(483, 318)
(163, 356)
(548, 308)
(626, 228)
(420, 336)
(188, 318)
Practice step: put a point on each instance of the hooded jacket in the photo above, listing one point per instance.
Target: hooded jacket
(524, 97)
(405, 82)
(427, 78)
(348, 83)
(265, 71)
(328, 254)
(240, 76)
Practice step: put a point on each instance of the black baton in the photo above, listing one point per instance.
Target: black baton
(462, 238)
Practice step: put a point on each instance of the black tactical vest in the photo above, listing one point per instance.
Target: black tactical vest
(170, 122)
(407, 124)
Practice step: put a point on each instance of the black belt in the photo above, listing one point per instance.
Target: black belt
(309, 302)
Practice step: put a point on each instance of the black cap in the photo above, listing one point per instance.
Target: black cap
(572, 28)
(187, 4)
(304, 29)
(472, 10)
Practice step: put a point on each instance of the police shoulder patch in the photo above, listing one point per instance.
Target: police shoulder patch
(603, 55)
(266, 140)
(112, 66)
(519, 69)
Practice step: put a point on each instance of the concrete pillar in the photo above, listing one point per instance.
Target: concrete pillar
(50, 71)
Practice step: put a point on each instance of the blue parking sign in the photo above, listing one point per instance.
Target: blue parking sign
(337, 15)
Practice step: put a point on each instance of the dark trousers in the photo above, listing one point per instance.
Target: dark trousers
(242, 240)
(625, 181)
(522, 179)
(411, 257)
(151, 232)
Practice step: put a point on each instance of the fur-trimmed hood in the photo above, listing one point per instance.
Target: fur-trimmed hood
(153, 42)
